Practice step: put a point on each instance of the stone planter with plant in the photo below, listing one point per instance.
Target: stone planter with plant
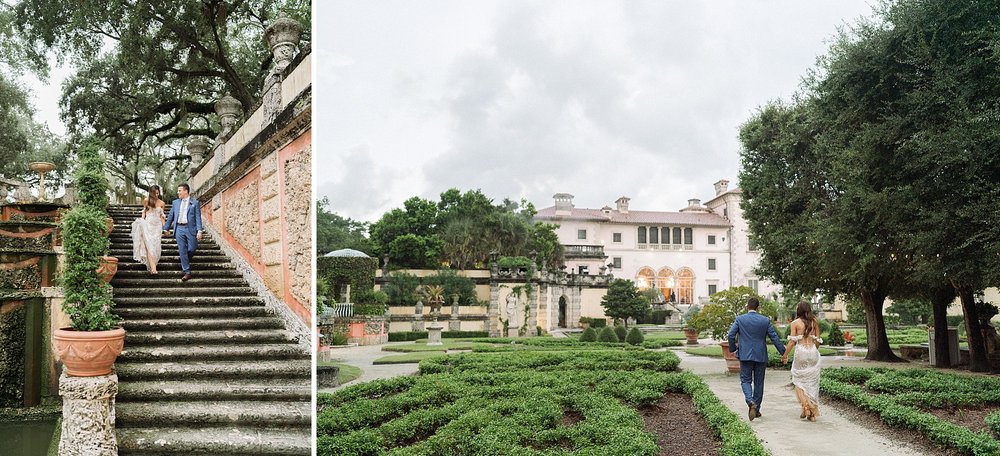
(718, 316)
(91, 344)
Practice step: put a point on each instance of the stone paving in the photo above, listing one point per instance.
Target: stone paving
(363, 357)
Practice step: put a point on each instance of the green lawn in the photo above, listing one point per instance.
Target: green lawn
(423, 347)
(407, 358)
(347, 372)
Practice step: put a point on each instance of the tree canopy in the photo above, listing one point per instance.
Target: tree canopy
(875, 180)
(148, 73)
(461, 230)
(334, 232)
(623, 300)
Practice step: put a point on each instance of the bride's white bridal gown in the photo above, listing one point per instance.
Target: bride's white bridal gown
(146, 237)
(805, 374)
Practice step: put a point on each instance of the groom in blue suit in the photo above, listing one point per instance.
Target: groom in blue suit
(184, 222)
(752, 327)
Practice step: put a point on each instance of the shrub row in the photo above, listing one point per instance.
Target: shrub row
(409, 336)
(553, 361)
(894, 413)
(993, 421)
(738, 439)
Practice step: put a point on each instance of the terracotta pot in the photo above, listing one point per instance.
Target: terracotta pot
(732, 362)
(111, 224)
(88, 353)
(692, 336)
(108, 268)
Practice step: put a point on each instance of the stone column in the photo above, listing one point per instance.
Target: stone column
(533, 299)
(493, 312)
(88, 424)
(573, 312)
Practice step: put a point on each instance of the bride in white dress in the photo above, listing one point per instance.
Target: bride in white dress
(146, 231)
(806, 364)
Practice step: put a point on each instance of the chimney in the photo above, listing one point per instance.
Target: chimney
(721, 187)
(564, 203)
(694, 202)
(622, 204)
(694, 205)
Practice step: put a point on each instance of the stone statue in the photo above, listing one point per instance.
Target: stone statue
(511, 308)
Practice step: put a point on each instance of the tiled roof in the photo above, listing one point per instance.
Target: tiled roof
(636, 217)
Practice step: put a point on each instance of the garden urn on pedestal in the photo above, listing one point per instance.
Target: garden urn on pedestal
(197, 148)
(41, 168)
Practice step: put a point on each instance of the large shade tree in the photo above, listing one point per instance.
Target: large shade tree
(148, 72)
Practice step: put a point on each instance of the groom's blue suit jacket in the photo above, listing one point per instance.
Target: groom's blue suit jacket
(752, 329)
(193, 216)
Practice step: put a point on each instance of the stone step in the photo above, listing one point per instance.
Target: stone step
(126, 239)
(169, 281)
(227, 441)
(199, 258)
(199, 370)
(215, 413)
(225, 336)
(190, 288)
(203, 324)
(144, 274)
(125, 250)
(186, 301)
(150, 313)
(268, 389)
(254, 352)
(173, 265)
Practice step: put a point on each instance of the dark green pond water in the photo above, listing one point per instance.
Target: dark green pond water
(30, 438)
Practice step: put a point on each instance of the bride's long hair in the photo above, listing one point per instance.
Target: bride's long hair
(804, 312)
(154, 196)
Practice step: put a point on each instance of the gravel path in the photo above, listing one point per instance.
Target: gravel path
(363, 356)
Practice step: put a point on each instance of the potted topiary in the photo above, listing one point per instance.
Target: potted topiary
(90, 345)
(719, 314)
(691, 328)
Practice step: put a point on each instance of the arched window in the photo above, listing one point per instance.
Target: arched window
(666, 282)
(645, 278)
(685, 286)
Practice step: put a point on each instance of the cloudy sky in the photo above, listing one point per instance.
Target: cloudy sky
(525, 99)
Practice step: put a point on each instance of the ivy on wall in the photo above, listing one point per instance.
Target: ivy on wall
(12, 328)
(358, 272)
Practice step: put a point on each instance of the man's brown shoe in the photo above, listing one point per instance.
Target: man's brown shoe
(186, 277)
(753, 412)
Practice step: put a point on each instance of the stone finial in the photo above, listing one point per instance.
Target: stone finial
(197, 148)
(228, 109)
(70, 197)
(282, 37)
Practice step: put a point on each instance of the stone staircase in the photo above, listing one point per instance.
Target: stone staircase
(207, 368)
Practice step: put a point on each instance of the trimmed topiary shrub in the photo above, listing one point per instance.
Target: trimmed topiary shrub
(589, 335)
(634, 337)
(620, 332)
(598, 322)
(607, 335)
(836, 337)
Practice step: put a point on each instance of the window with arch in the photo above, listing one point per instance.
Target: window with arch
(685, 286)
(666, 282)
(645, 278)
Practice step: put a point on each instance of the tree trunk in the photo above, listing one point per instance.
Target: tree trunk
(940, 300)
(878, 341)
(978, 360)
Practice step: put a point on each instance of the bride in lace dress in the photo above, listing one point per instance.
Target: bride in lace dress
(146, 231)
(806, 363)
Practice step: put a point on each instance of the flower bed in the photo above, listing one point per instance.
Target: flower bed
(573, 401)
(915, 398)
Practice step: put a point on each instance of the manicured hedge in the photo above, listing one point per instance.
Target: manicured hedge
(409, 336)
(738, 439)
(893, 395)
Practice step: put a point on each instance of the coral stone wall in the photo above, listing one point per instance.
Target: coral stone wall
(298, 229)
(242, 215)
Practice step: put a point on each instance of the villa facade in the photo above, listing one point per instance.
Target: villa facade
(687, 255)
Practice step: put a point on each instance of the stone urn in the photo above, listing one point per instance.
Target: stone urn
(41, 168)
(691, 335)
(88, 353)
(197, 147)
(732, 362)
(108, 268)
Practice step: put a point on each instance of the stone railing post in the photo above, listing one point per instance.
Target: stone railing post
(228, 109)
(88, 424)
(282, 39)
(197, 148)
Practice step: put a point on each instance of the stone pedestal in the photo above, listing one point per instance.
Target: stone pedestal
(327, 376)
(434, 334)
(88, 424)
(513, 332)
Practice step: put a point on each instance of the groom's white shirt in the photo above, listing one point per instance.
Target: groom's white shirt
(182, 218)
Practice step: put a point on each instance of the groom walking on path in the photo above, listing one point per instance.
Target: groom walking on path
(185, 223)
(752, 352)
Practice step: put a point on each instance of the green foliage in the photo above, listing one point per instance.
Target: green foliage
(894, 394)
(409, 336)
(589, 335)
(835, 337)
(855, 312)
(912, 311)
(171, 61)
(454, 284)
(90, 180)
(993, 421)
(598, 323)
(334, 232)
(338, 338)
(369, 302)
(358, 272)
(719, 314)
(623, 300)
(518, 262)
(690, 316)
(634, 337)
(824, 325)
(401, 288)
(607, 335)
(738, 439)
(621, 332)
(88, 298)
